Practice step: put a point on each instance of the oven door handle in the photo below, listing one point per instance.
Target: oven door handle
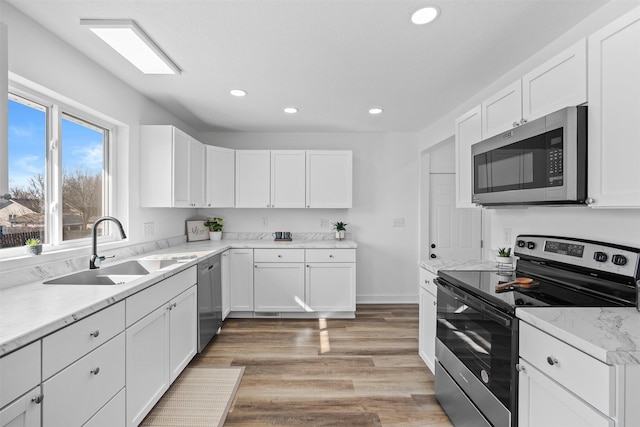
(486, 311)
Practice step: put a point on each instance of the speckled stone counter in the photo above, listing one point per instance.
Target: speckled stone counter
(31, 311)
(451, 264)
(611, 335)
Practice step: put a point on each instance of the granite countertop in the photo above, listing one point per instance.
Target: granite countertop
(31, 311)
(451, 264)
(611, 335)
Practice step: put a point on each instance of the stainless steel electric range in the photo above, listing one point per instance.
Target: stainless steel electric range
(477, 328)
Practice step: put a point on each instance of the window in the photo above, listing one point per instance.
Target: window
(58, 171)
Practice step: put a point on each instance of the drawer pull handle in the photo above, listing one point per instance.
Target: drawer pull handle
(552, 360)
(37, 399)
(95, 371)
(330, 256)
(279, 256)
(521, 368)
(95, 333)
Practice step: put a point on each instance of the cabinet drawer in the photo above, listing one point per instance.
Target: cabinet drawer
(426, 281)
(147, 300)
(75, 394)
(62, 348)
(278, 255)
(112, 414)
(331, 255)
(20, 372)
(588, 378)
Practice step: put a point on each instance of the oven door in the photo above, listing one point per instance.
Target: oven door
(474, 337)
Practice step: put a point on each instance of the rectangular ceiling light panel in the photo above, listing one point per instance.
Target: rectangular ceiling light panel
(126, 38)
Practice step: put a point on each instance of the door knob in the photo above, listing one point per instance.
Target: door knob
(433, 246)
(433, 255)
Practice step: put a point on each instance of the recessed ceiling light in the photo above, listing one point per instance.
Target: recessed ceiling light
(290, 110)
(238, 92)
(425, 15)
(126, 38)
(376, 111)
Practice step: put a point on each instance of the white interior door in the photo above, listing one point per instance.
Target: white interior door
(454, 233)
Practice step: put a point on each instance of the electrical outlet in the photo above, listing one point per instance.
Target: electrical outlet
(264, 222)
(506, 236)
(324, 223)
(149, 228)
(398, 222)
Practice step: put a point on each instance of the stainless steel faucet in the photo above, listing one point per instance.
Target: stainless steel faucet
(95, 260)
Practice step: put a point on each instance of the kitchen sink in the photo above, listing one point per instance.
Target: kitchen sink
(113, 275)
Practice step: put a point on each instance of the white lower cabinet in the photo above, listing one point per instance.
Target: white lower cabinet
(241, 279)
(330, 280)
(160, 343)
(427, 318)
(112, 414)
(226, 285)
(24, 411)
(278, 287)
(76, 393)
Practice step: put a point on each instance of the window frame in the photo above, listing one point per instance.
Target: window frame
(56, 110)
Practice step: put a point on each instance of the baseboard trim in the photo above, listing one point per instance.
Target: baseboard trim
(387, 299)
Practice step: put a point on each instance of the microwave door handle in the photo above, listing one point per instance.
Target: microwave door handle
(504, 321)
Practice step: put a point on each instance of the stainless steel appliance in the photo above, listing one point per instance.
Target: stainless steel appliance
(540, 162)
(477, 328)
(209, 299)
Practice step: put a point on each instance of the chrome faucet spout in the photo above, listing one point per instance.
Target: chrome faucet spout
(95, 260)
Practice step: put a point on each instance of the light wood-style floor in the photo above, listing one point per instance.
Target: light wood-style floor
(361, 372)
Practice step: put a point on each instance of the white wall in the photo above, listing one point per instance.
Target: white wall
(611, 225)
(40, 59)
(385, 186)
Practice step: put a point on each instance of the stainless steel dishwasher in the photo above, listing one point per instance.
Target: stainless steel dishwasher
(209, 300)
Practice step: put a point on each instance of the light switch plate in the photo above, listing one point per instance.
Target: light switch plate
(324, 223)
(398, 222)
(264, 222)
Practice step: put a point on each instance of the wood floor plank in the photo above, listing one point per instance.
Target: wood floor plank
(335, 372)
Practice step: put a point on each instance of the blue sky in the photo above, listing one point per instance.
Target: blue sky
(81, 146)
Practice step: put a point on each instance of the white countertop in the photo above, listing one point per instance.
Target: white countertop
(451, 264)
(611, 335)
(31, 311)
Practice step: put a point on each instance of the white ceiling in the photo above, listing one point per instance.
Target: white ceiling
(332, 59)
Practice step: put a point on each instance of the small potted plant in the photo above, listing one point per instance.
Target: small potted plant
(340, 228)
(34, 246)
(215, 228)
(504, 256)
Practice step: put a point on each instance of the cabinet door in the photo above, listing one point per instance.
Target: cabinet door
(112, 414)
(560, 82)
(197, 158)
(542, 402)
(146, 361)
(220, 177)
(279, 287)
(226, 290)
(253, 179)
(329, 179)
(503, 110)
(614, 102)
(288, 179)
(331, 286)
(23, 412)
(427, 328)
(183, 331)
(241, 279)
(181, 174)
(468, 132)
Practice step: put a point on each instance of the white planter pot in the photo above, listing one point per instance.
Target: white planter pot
(504, 259)
(215, 235)
(340, 234)
(34, 250)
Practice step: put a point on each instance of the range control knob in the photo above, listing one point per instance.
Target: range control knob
(531, 245)
(520, 243)
(619, 259)
(600, 256)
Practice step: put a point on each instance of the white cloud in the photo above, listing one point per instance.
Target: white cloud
(89, 157)
(22, 131)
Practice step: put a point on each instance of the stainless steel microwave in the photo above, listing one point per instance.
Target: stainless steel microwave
(540, 162)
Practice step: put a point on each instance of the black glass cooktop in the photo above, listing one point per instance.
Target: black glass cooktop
(543, 293)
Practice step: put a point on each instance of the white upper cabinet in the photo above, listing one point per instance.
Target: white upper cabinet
(253, 179)
(614, 104)
(220, 177)
(558, 83)
(171, 168)
(288, 179)
(329, 179)
(468, 132)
